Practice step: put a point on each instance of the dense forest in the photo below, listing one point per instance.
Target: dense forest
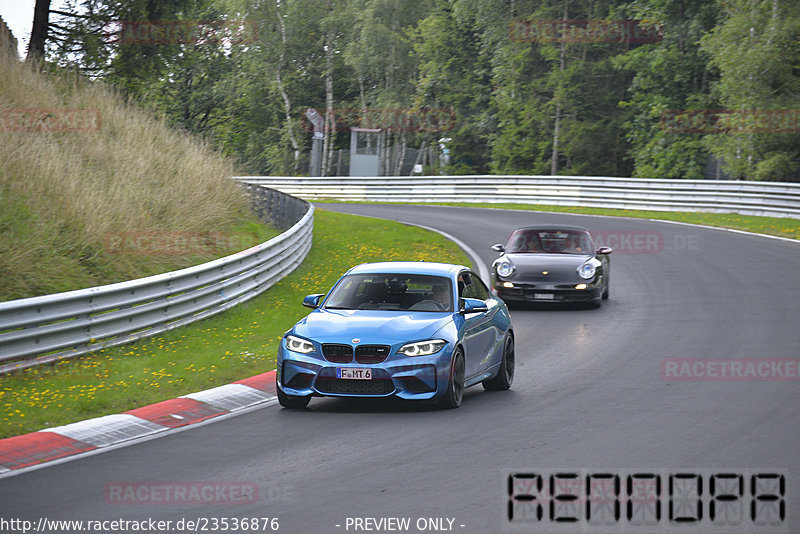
(648, 88)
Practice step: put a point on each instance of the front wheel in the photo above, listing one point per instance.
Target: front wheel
(455, 385)
(505, 375)
(292, 401)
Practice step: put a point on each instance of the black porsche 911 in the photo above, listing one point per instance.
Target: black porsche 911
(544, 264)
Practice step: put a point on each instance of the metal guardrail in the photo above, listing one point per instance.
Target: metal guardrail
(49, 328)
(775, 199)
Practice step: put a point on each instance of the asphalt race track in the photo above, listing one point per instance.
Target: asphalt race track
(588, 394)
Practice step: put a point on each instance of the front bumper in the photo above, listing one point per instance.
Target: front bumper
(412, 378)
(522, 292)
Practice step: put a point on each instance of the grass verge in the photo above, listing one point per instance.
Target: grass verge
(239, 343)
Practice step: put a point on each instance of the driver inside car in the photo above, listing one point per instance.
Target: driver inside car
(533, 244)
(441, 295)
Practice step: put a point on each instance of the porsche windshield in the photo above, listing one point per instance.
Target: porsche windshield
(549, 242)
(393, 292)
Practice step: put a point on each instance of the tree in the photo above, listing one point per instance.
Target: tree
(455, 73)
(755, 49)
(557, 93)
(568, 100)
(41, 15)
(380, 53)
(670, 76)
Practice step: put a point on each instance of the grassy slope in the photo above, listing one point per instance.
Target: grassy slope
(64, 195)
(238, 343)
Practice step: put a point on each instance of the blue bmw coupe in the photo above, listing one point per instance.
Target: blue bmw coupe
(414, 330)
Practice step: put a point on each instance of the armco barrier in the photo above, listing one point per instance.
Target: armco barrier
(775, 199)
(52, 327)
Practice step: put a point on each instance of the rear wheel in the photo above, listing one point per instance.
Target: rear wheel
(505, 375)
(292, 401)
(455, 385)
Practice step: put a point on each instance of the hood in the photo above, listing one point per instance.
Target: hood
(558, 266)
(371, 326)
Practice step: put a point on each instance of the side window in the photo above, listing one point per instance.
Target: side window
(480, 287)
(461, 284)
(473, 287)
(469, 288)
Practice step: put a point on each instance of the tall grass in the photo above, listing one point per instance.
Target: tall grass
(62, 194)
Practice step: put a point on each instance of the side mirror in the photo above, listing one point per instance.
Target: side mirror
(498, 248)
(312, 301)
(604, 250)
(469, 305)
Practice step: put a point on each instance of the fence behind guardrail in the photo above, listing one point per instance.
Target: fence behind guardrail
(776, 199)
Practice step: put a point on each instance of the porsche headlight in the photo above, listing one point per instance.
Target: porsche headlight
(422, 348)
(296, 344)
(504, 269)
(586, 271)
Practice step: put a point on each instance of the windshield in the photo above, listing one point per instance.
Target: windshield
(395, 292)
(550, 242)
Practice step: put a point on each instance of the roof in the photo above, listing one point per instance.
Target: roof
(408, 267)
(555, 227)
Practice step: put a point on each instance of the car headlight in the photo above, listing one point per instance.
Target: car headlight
(504, 269)
(422, 348)
(296, 344)
(586, 271)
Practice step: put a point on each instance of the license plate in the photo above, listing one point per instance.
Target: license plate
(353, 373)
(544, 296)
